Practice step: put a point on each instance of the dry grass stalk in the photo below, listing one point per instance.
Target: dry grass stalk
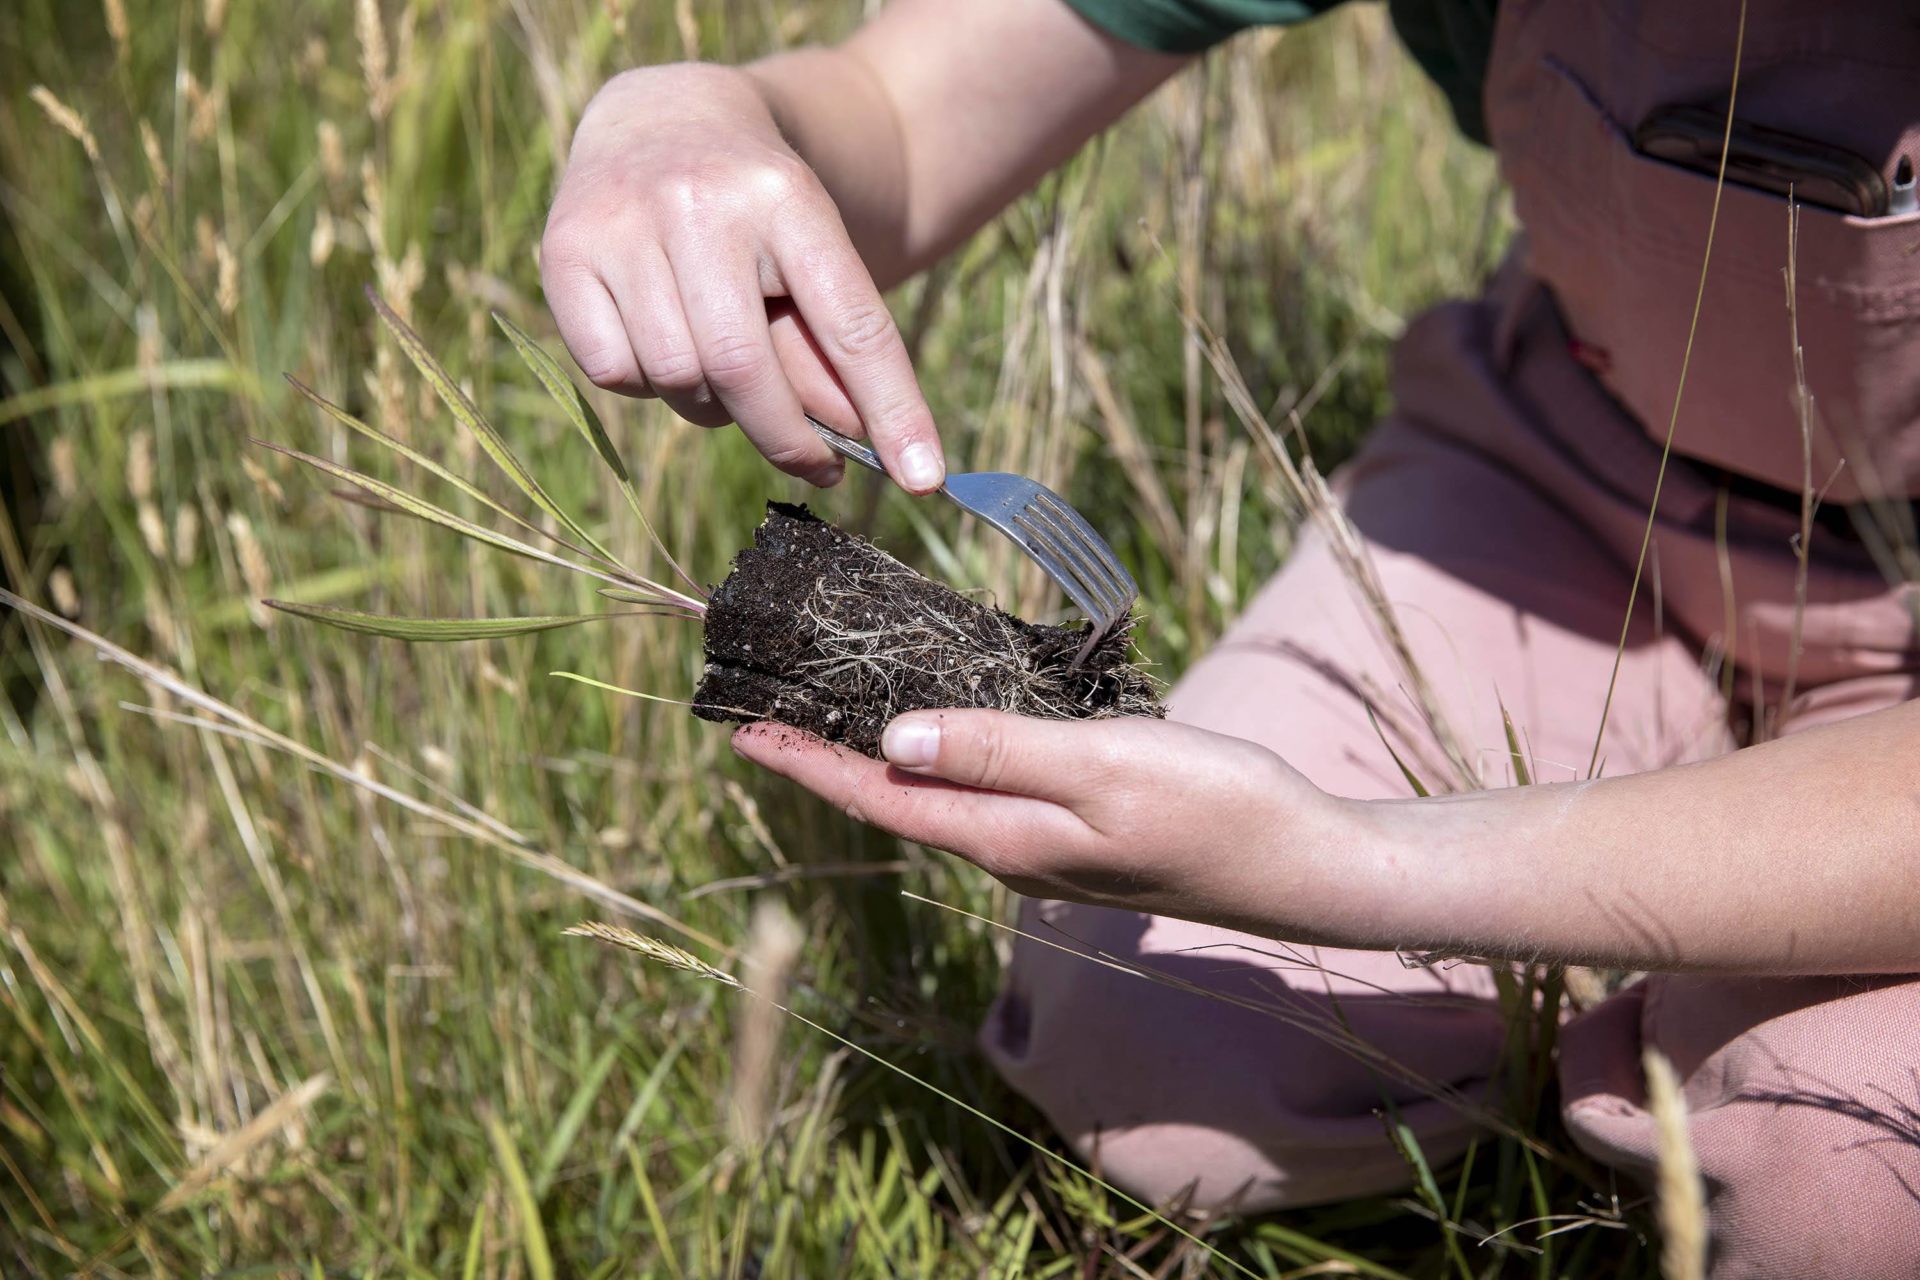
(1682, 1196)
(279, 1115)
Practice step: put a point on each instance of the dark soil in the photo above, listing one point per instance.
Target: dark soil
(826, 632)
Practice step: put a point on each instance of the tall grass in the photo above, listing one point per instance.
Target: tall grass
(257, 1020)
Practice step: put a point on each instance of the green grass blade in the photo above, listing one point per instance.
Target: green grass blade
(565, 394)
(1522, 775)
(436, 515)
(405, 450)
(468, 415)
(431, 629)
(533, 1235)
(561, 387)
(560, 1141)
(1419, 787)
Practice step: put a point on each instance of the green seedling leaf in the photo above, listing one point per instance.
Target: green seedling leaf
(565, 394)
(406, 451)
(468, 415)
(533, 1233)
(1419, 787)
(436, 515)
(1522, 775)
(579, 412)
(430, 629)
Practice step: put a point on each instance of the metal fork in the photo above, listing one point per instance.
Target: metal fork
(1040, 523)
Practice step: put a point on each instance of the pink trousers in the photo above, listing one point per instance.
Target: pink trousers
(1503, 506)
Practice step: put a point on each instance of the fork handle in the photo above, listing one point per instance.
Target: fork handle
(846, 446)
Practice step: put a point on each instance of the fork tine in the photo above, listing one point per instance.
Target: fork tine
(1042, 522)
(1113, 586)
(1098, 554)
(1049, 551)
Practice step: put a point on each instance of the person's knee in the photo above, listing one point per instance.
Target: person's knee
(1815, 1186)
(1179, 1097)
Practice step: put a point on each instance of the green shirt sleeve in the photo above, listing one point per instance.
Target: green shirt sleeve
(1190, 26)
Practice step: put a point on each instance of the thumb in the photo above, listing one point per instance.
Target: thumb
(991, 750)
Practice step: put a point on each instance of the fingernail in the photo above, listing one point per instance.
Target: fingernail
(911, 744)
(921, 469)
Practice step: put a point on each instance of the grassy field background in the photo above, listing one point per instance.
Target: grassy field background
(256, 1021)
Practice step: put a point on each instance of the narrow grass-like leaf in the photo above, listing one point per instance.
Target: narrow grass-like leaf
(436, 515)
(431, 629)
(533, 1235)
(468, 415)
(1419, 787)
(587, 422)
(561, 1140)
(1522, 775)
(565, 394)
(411, 454)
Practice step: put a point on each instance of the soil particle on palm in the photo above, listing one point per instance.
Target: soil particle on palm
(822, 630)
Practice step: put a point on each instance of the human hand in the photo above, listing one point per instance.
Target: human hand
(693, 255)
(1147, 815)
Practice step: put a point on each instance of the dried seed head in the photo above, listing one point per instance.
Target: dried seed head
(213, 16)
(1681, 1195)
(153, 530)
(228, 293)
(333, 154)
(156, 154)
(439, 763)
(205, 238)
(117, 25)
(66, 598)
(773, 947)
(66, 476)
(320, 247)
(253, 567)
(370, 30)
(186, 535)
(263, 480)
(203, 107)
(313, 57)
(67, 118)
(652, 948)
(140, 465)
(147, 349)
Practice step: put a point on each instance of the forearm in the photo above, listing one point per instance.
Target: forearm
(929, 119)
(1799, 856)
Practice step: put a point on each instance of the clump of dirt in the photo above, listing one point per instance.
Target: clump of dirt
(824, 631)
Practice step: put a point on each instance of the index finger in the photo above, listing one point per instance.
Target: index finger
(828, 282)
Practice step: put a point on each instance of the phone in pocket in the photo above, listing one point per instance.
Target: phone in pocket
(1814, 172)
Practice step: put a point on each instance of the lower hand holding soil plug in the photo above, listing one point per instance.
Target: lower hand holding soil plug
(1130, 812)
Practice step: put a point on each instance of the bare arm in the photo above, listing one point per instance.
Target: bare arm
(934, 116)
(1798, 857)
(721, 235)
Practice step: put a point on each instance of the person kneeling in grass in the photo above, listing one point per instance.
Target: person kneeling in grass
(720, 240)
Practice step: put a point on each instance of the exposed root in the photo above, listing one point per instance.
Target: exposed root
(819, 629)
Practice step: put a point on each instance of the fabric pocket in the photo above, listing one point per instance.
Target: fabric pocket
(1619, 238)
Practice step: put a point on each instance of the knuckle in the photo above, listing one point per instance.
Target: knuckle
(735, 362)
(607, 367)
(673, 369)
(794, 458)
(992, 755)
(866, 329)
